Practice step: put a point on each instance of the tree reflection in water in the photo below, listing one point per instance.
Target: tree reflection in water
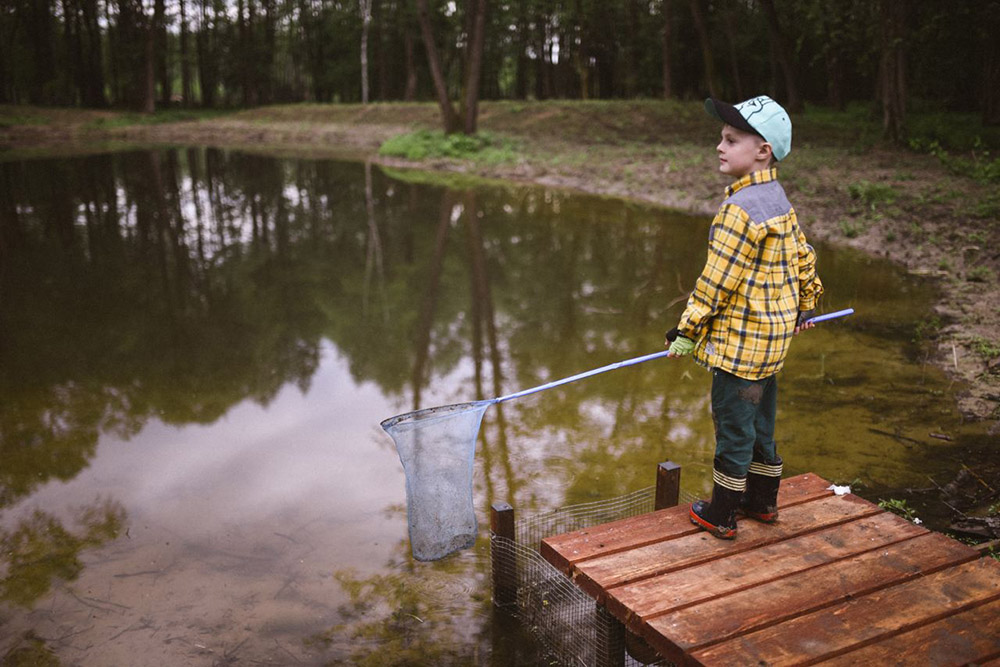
(40, 550)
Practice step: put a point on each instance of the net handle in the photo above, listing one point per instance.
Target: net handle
(830, 316)
(636, 360)
(586, 374)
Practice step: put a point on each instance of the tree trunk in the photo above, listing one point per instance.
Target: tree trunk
(892, 68)
(266, 87)
(94, 95)
(542, 87)
(39, 32)
(521, 44)
(668, 85)
(74, 50)
(991, 66)
(449, 117)
(366, 20)
(185, 57)
(206, 58)
(160, 46)
(474, 66)
(114, 44)
(734, 57)
(631, 77)
(243, 51)
(410, 93)
(706, 47)
(792, 100)
(149, 99)
(582, 53)
(381, 62)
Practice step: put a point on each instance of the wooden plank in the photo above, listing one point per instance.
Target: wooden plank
(598, 574)
(969, 637)
(788, 597)
(875, 617)
(563, 551)
(638, 602)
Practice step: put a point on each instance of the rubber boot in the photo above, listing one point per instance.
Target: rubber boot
(760, 501)
(717, 517)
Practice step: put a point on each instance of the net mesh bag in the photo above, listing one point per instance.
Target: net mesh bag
(437, 447)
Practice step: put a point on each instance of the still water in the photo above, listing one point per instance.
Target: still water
(197, 347)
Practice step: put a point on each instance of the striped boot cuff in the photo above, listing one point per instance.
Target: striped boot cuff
(727, 482)
(766, 470)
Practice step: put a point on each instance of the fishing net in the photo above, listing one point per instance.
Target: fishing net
(437, 447)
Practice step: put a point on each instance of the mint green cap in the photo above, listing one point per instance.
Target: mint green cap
(760, 115)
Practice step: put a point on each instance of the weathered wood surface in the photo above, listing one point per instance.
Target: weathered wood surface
(837, 579)
(565, 550)
(597, 575)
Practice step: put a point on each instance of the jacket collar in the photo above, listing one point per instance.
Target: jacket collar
(755, 178)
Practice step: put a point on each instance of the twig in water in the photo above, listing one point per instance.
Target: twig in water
(973, 473)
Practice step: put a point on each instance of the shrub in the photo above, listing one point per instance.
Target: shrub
(429, 144)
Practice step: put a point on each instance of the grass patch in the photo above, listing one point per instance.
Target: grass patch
(851, 228)
(424, 144)
(128, 118)
(872, 194)
(979, 274)
(985, 347)
(979, 165)
(11, 116)
(927, 329)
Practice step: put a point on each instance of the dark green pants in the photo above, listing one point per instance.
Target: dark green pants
(743, 412)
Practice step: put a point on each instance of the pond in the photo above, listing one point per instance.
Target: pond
(197, 347)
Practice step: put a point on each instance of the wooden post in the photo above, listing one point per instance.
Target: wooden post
(502, 558)
(668, 485)
(610, 640)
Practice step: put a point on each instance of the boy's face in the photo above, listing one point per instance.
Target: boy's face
(741, 153)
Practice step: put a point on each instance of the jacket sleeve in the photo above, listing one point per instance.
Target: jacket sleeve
(731, 248)
(810, 286)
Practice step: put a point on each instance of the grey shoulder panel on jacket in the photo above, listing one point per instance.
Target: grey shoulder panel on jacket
(762, 202)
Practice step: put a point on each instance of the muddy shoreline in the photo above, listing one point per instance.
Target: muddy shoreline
(932, 222)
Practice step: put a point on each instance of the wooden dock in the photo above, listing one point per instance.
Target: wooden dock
(837, 580)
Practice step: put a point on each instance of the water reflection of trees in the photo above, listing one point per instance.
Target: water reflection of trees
(40, 550)
(174, 284)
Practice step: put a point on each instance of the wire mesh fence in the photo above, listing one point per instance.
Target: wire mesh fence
(567, 622)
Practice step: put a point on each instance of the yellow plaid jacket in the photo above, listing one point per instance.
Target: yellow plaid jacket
(759, 274)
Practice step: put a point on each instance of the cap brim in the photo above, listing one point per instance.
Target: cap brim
(728, 114)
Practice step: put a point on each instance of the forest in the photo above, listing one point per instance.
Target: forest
(208, 54)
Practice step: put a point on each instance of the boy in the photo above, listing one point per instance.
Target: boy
(758, 288)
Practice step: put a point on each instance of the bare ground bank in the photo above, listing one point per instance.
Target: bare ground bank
(848, 187)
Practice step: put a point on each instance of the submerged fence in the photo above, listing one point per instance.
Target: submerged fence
(568, 623)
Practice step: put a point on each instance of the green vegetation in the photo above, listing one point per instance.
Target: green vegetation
(901, 508)
(986, 348)
(979, 274)
(125, 119)
(872, 194)
(423, 144)
(851, 228)
(978, 165)
(927, 329)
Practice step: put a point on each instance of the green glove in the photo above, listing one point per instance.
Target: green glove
(681, 346)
